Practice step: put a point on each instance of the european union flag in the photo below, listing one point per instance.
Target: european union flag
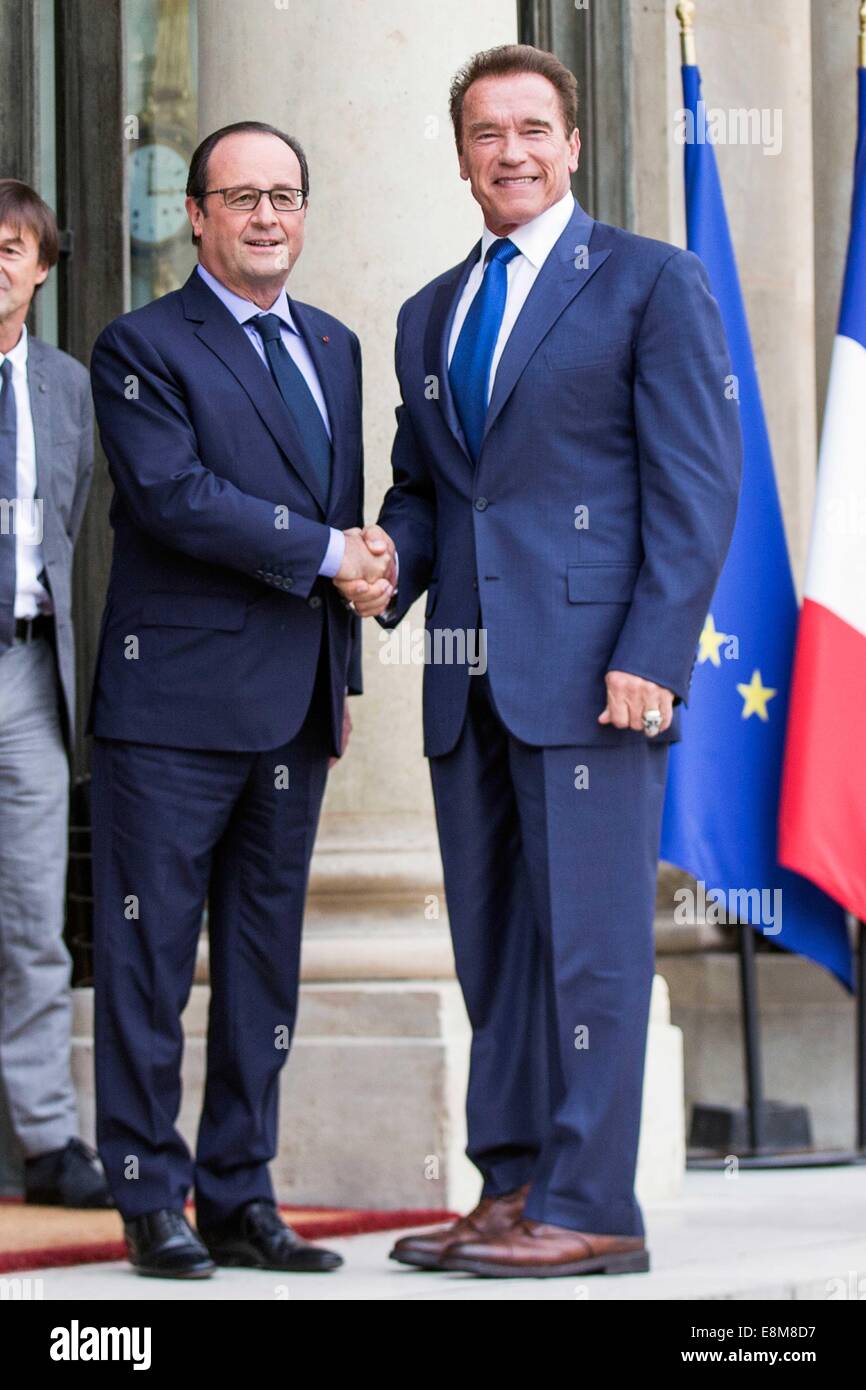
(723, 786)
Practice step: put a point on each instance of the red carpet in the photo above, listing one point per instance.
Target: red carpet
(34, 1237)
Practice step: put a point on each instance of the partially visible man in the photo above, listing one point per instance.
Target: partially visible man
(231, 419)
(46, 462)
(570, 490)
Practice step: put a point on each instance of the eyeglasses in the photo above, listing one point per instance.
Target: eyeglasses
(245, 199)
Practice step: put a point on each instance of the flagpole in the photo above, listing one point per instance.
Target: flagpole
(861, 925)
(752, 1040)
(861, 1031)
(686, 17)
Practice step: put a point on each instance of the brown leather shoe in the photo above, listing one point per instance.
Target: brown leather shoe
(536, 1250)
(492, 1216)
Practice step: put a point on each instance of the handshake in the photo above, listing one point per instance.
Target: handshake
(367, 577)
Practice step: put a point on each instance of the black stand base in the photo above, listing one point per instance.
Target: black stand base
(725, 1128)
(719, 1132)
(811, 1158)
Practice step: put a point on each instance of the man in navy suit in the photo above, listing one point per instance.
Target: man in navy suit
(231, 420)
(566, 470)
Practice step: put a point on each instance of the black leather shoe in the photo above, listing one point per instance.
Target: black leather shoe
(67, 1177)
(256, 1236)
(163, 1243)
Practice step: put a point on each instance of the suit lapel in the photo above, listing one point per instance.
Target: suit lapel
(38, 389)
(228, 340)
(437, 334)
(567, 270)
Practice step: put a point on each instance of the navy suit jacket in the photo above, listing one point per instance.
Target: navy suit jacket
(593, 529)
(215, 613)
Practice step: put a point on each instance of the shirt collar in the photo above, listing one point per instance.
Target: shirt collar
(18, 354)
(536, 239)
(243, 309)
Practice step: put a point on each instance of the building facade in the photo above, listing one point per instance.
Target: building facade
(101, 105)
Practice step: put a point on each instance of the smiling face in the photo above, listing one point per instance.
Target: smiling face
(515, 152)
(250, 252)
(21, 271)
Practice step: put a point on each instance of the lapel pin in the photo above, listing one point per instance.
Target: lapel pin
(325, 338)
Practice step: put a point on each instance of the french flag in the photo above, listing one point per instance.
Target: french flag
(822, 820)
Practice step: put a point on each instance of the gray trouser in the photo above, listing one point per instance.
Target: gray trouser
(35, 1000)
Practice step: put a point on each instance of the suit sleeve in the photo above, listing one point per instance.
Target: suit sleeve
(354, 678)
(169, 491)
(85, 464)
(690, 458)
(408, 512)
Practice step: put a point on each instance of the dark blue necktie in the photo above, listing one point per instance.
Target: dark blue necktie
(298, 398)
(469, 372)
(8, 492)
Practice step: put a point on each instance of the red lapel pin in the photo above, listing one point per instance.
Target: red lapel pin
(325, 338)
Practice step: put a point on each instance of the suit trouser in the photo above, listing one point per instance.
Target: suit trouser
(35, 966)
(551, 894)
(171, 828)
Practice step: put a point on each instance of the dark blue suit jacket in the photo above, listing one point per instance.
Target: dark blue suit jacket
(219, 529)
(612, 395)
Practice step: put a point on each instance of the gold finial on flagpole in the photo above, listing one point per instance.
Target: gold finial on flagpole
(686, 17)
(862, 46)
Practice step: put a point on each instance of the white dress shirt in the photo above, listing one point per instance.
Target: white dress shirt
(534, 240)
(31, 595)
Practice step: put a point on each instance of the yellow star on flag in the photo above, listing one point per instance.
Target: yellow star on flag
(711, 640)
(756, 695)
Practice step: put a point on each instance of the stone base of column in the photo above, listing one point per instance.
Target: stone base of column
(372, 1097)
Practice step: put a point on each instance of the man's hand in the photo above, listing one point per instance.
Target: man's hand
(361, 562)
(628, 697)
(368, 579)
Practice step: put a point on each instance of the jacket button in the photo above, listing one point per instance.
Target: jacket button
(315, 601)
(475, 583)
(480, 504)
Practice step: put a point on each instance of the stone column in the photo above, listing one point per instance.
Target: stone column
(364, 87)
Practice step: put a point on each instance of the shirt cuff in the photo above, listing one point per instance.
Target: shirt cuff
(334, 554)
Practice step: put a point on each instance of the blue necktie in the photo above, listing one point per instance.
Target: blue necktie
(8, 491)
(469, 372)
(298, 398)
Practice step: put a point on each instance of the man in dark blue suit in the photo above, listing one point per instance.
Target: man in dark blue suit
(566, 470)
(231, 420)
